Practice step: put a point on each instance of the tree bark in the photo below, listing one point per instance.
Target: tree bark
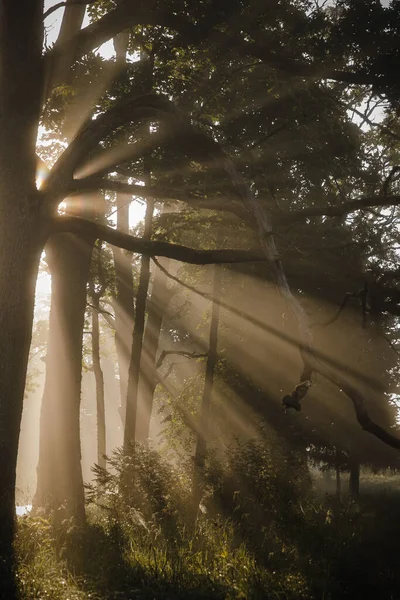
(59, 473)
(200, 454)
(148, 381)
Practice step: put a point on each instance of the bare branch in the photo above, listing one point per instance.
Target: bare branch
(371, 123)
(357, 400)
(89, 229)
(109, 317)
(166, 353)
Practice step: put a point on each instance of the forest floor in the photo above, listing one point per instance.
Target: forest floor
(327, 549)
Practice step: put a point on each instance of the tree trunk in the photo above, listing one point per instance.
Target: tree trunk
(137, 337)
(124, 303)
(22, 236)
(19, 263)
(155, 313)
(124, 308)
(354, 480)
(98, 374)
(200, 454)
(140, 312)
(59, 473)
(337, 472)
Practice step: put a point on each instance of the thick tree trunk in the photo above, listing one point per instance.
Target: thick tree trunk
(155, 313)
(137, 337)
(19, 262)
(59, 473)
(22, 238)
(99, 379)
(200, 454)
(354, 479)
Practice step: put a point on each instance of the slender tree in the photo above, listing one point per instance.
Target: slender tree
(124, 308)
(141, 298)
(212, 357)
(137, 337)
(95, 295)
(156, 307)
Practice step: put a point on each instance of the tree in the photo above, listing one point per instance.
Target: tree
(212, 357)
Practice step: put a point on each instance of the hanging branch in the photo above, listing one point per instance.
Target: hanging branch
(260, 324)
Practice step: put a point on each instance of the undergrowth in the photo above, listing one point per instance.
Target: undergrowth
(256, 535)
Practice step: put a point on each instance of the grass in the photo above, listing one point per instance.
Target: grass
(104, 561)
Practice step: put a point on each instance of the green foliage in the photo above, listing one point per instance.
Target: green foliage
(42, 573)
(279, 542)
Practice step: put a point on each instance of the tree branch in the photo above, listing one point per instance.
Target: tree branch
(357, 400)
(313, 359)
(109, 317)
(271, 330)
(363, 203)
(166, 353)
(93, 231)
(310, 71)
(93, 183)
(128, 14)
(128, 110)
